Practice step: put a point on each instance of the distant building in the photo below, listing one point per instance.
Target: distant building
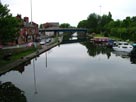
(50, 25)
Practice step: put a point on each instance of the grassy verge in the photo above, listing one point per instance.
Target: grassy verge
(115, 38)
(15, 54)
(98, 35)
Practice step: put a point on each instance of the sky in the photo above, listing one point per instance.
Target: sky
(70, 11)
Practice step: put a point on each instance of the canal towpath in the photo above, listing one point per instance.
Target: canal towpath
(16, 63)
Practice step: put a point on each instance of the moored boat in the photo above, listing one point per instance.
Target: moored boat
(100, 39)
(134, 44)
(122, 46)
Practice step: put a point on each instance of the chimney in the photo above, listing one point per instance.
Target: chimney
(18, 16)
(26, 19)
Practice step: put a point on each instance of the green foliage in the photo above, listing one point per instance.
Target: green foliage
(40, 26)
(82, 24)
(65, 25)
(105, 25)
(9, 26)
(17, 53)
(95, 23)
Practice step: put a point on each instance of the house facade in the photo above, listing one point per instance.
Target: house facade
(28, 31)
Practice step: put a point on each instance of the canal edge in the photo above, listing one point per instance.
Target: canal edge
(20, 61)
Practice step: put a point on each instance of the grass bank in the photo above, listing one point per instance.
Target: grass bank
(115, 38)
(10, 55)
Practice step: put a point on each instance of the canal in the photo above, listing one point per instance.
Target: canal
(78, 72)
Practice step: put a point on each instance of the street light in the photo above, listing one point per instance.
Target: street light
(32, 32)
(100, 19)
(31, 9)
(100, 9)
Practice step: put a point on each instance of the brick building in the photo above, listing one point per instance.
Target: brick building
(49, 25)
(28, 31)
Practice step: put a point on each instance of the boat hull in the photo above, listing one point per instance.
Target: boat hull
(124, 49)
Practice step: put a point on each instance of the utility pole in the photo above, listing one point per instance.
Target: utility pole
(100, 19)
(32, 33)
(31, 9)
(100, 9)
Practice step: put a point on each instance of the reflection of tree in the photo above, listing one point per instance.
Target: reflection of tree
(19, 68)
(10, 93)
(67, 35)
(133, 56)
(81, 35)
(96, 49)
(133, 60)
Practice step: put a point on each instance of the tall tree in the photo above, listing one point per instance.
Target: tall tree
(92, 22)
(65, 25)
(82, 24)
(9, 25)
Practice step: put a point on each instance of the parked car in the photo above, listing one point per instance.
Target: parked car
(42, 42)
(48, 40)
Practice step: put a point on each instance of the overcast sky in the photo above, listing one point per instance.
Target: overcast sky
(70, 11)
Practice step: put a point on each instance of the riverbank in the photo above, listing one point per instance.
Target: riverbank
(24, 59)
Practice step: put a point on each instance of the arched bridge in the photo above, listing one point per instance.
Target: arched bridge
(63, 30)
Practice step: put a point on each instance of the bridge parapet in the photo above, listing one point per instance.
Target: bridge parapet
(63, 30)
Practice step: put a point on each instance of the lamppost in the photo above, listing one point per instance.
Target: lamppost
(100, 19)
(31, 9)
(32, 32)
(100, 9)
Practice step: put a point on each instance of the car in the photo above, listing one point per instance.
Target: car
(42, 42)
(48, 40)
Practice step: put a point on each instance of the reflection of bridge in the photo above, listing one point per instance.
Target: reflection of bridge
(63, 30)
(73, 41)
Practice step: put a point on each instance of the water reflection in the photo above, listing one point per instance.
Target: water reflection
(75, 76)
(20, 68)
(46, 63)
(133, 60)
(96, 49)
(10, 93)
(93, 49)
(35, 84)
(121, 54)
(133, 56)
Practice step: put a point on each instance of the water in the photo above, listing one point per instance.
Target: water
(73, 73)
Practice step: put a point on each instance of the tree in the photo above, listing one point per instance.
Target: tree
(82, 24)
(105, 19)
(9, 26)
(93, 21)
(124, 29)
(40, 26)
(65, 25)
